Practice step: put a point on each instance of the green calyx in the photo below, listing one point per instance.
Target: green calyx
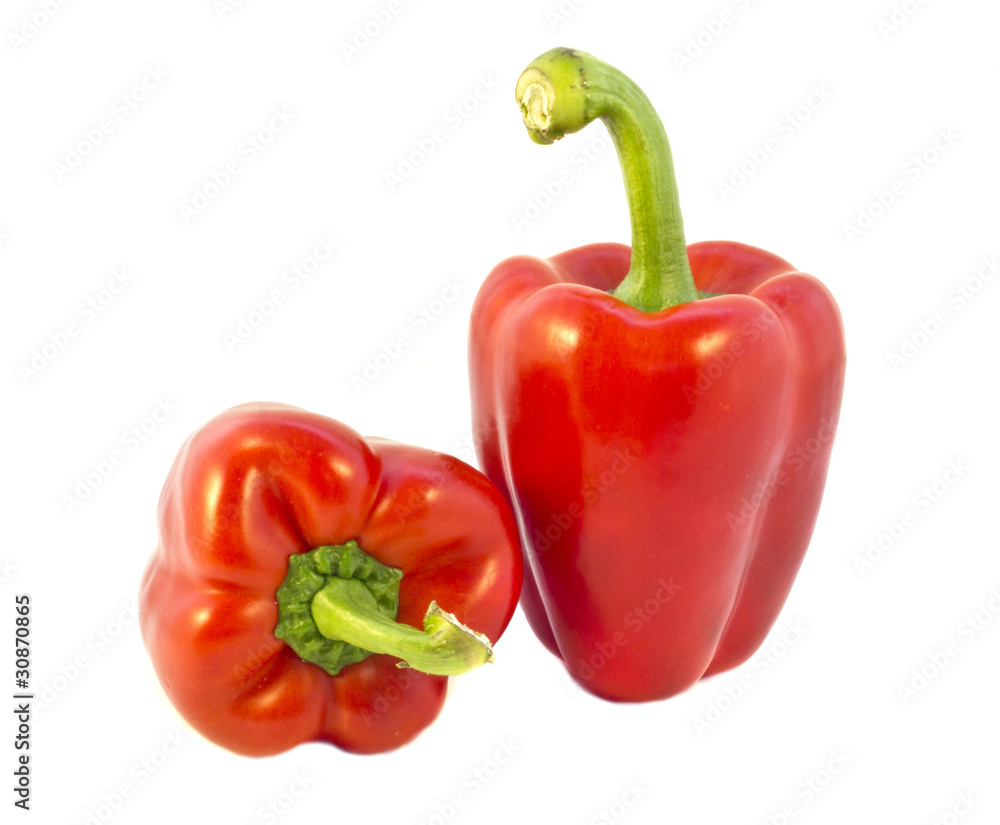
(560, 93)
(338, 605)
(308, 574)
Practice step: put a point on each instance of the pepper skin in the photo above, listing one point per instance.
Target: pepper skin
(666, 461)
(264, 482)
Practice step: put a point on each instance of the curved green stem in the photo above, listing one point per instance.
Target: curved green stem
(337, 606)
(345, 609)
(561, 92)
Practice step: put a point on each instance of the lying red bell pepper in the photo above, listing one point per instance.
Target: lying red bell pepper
(661, 418)
(295, 564)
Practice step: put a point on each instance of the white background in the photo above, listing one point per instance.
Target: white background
(817, 728)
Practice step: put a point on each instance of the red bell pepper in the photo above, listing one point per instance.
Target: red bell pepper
(661, 418)
(295, 562)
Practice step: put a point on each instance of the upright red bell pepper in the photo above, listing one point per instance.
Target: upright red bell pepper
(295, 564)
(661, 418)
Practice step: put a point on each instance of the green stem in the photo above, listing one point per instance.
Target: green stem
(561, 92)
(337, 606)
(345, 609)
